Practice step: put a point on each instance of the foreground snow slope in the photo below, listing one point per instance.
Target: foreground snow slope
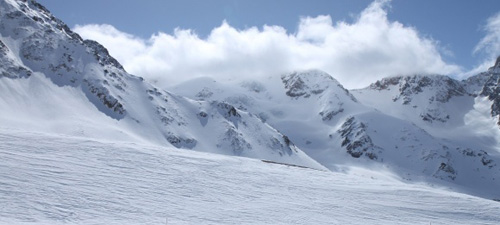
(59, 179)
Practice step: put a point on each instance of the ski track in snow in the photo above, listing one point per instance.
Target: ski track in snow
(49, 179)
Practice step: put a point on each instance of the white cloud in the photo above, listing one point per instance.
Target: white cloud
(489, 46)
(355, 53)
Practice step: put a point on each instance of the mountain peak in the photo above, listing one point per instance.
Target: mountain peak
(495, 68)
(311, 82)
(38, 13)
(102, 54)
(444, 87)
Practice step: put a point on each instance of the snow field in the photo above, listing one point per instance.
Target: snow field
(55, 179)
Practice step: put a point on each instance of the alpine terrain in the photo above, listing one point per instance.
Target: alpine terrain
(84, 142)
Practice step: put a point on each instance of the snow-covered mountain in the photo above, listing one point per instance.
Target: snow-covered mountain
(305, 105)
(457, 120)
(464, 112)
(50, 74)
(382, 124)
(422, 127)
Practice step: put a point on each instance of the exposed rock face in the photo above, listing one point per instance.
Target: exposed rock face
(180, 142)
(427, 95)
(356, 141)
(486, 84)
(234, 140)
(447, 171)
(101, 54)
(327, 115)
(204, 94)
(409, 86)
(228, 111)
(486, 160)
(305, 84)
(491, 88)
(10, 68)
(101, 94)
(328, 91)
(496, 66)
(296, 87)
(3, 49)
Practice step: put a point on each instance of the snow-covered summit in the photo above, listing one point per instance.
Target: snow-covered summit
(495, 68)
(442, 87)
(311, 82)
(427, 100)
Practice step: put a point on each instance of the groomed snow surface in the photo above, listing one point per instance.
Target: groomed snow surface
(56, 179)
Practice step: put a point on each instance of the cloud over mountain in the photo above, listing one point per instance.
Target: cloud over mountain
(356, 53)
(490, 43)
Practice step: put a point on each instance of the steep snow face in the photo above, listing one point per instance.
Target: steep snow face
(73, 86)
(438, 104)
(431, 101)
(414, 154)
(444, 107)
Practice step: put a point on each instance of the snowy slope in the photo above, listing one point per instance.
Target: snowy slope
(304, 105)
(422, 128)
(56, 82)
(335, 128)
(436, 103)
(463, 112)
(456, 126)
(427, 100)
(414, 154)
(54, 179)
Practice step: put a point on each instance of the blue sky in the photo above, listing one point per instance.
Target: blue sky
(455, 28)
